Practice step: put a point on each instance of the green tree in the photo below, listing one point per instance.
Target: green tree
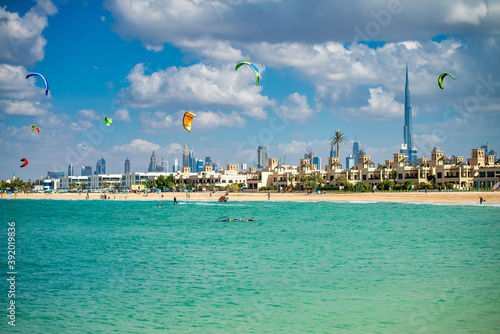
(341, 179)
(349, 187)
(83, 185)
(105, 185)
(337, 139)
(73, 185)
(116, 185)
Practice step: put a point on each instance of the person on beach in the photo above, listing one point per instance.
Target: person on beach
(268, 196)
(481, 200)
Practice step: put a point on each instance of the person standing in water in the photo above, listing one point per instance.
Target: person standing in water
(481, 200)
(175, 201)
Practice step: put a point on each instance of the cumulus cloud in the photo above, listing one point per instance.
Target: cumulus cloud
(80, 125)
(381, 106)
(21, 108)
(137, 145)
(209, 120)
(462, 13)
(19, 96)
(194, 87)
(88, 114)
(158, 121)
(182, 22)
(295, 108)
(121, 115)
(21, 40)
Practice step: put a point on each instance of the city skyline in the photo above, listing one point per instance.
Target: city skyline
(345, 71)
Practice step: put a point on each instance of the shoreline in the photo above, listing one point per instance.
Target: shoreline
(471, 198)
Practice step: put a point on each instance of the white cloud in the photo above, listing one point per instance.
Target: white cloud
(194, 87)
(381, 106)
(14, 85)
(295, 109)
(89, 114)
(209, 120)
(80, 125)
(22, 108)
(121, 115)
(21, 40)
(157, 121)
(462, 13)
(137, 145)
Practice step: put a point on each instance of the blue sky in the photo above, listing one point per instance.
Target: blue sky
(325, 65)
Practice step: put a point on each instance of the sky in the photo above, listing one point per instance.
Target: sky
(325, 65)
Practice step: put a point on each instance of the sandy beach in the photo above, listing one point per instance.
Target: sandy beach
(491, 198)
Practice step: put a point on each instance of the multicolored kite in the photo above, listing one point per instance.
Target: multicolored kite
(41, 76)
(34, 127)
(108, 121)
(25, 162)
(255, 69)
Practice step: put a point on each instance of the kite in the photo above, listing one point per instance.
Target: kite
(255, 69)
(188, 119)
(34, 127)
(441, 77)
(25, 162)
(108, 121)
(41, 76)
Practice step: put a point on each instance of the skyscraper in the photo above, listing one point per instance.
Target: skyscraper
(261, 156)
(192, 161)
(409, 150)
(333, 153)
(100, 167)
(164, 165)
(127, 166)
(349, 161)
(355, 151)
(175, 166)
(185, 156)
(86, 170)
(317, 161)
(71, 171)
(153, 163)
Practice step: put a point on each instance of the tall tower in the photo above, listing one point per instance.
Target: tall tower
(192, 161)
(127, 166)
(152, 163)
(333, 153)
(261, 156)
(185, 157)
(355, 151)
(100, 167)
(407, 148)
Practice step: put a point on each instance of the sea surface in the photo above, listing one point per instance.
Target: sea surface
(132, 267)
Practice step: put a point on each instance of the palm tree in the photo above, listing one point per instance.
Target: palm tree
(337, 139)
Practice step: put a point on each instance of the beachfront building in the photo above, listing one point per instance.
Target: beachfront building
(335, 175)
(99, 181)
(47, 184)
(65, 182)
(127, 180)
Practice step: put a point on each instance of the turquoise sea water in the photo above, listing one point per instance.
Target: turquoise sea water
(131, 267)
